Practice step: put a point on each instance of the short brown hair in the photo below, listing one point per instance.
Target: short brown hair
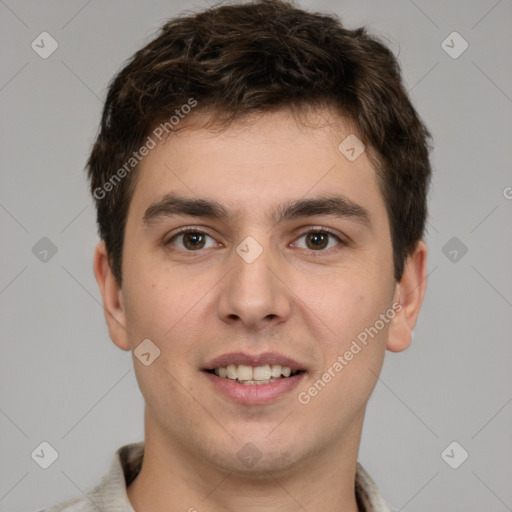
(253, 58)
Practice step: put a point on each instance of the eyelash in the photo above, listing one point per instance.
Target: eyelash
(192, 229)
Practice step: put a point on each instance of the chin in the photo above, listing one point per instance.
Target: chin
(256, 456)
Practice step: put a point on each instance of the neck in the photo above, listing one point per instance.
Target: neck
(172, 479)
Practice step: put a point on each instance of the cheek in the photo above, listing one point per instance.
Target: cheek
(147, 310)
(352, 357)
(156, 301)
(158, 311)
(170, 313)
(352, 345)
(344, 302)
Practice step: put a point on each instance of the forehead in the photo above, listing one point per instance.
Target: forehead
(255, 166)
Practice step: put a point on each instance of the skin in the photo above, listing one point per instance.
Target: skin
(303, 302)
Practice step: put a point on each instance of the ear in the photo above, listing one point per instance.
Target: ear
(409, 293)
(113, 301)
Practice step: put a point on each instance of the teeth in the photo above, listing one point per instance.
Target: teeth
(248, 374)
(244, 372)
(275, 370)
(231, 372)
(261, 372)
(252, 382)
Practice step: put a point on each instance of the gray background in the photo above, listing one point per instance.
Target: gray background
(62, 379)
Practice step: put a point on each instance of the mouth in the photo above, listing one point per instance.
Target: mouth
(250, 376)
(254, 379)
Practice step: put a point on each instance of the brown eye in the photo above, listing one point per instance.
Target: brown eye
(191, 240)
(319, 240)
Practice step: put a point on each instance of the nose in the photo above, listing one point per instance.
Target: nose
(254, 294)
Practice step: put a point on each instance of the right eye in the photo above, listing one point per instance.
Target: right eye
(191, 239)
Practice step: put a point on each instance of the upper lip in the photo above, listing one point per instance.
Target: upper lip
(254, 360)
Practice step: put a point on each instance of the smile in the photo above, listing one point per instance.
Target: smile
(249, 375)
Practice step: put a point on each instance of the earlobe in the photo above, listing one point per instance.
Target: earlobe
(409, 293)
(113, 300)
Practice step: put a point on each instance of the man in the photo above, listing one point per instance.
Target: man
(260, 178)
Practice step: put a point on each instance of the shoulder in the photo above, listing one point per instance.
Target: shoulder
(109, 495)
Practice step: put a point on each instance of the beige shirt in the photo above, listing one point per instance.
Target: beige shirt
(110, 494)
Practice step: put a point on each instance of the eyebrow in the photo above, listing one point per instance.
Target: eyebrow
(173, 204)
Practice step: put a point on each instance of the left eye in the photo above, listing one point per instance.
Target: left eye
(318, 240)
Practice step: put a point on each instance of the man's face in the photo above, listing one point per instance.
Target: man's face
(288, 290)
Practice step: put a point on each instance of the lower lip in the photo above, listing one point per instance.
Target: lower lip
(254, 394)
